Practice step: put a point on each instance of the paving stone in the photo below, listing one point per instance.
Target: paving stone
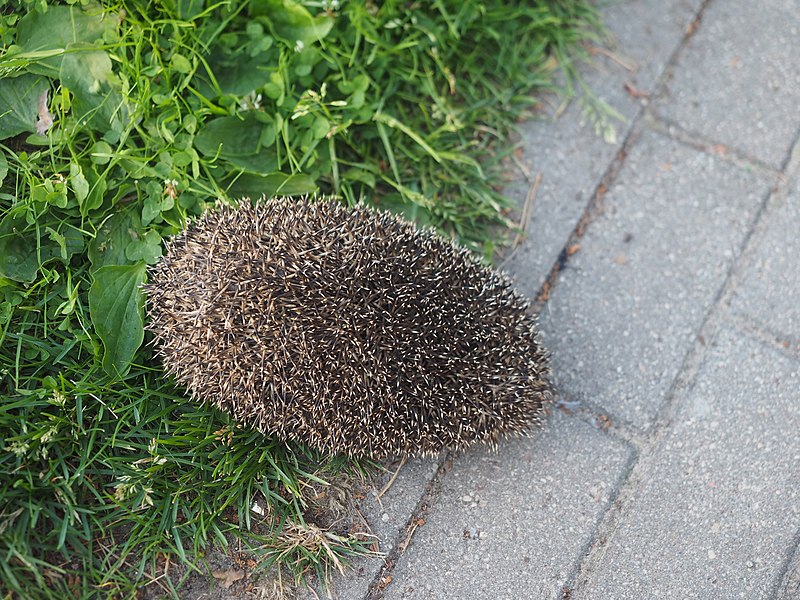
(790, 590)
(387, 518)
(511, 524)
(627, 306)
(768, 293)
(569, 153)
(717, 512)
(737, 80)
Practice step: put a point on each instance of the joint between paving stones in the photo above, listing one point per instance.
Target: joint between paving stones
(673, 130)
(598, 417)
(642, 455)
(593, 209)
(593, 551)
(594, 206)
(765, 336)
(784, 573)
(681, 384)
(382, 580)
(711, 323)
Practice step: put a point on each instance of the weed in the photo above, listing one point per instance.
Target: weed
(119, 122)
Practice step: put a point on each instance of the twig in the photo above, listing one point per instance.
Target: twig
(391, 481)
(523, 169)
(527, 210)
(628, 65)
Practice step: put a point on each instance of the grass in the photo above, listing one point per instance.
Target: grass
(119, 122)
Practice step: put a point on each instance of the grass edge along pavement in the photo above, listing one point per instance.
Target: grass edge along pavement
(121, 121)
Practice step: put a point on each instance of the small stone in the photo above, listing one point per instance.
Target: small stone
(466, 499)
(712, 555)
(385, 517)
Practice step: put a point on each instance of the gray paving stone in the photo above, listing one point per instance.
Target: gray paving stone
(790, 589)
(511, 524)
(717, 513)
(627, 306)
(768, 293)
(737, 81)
(387, 518)
(569, 153)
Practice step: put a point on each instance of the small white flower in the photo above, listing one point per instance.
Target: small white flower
(299, 46)
(18, 448)
(250, 102)
(124, 488)
(48, 435)
(146, 499)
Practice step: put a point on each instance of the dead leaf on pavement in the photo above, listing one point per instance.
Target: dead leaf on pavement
(635, 92)
(228, 578)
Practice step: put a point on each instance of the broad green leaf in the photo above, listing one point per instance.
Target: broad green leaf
(186, 9)
(108, 246)
(60, 28)
(291, 21)
(22, 252)
(181, 64)
(69, 240)
(6, 310)
(98, 100)
(3, 166)
(97, 190)
(320, 127)
(78, 181)
(18, 110)
(147, 248)
(238, 75)
(116, 306)
(237, 140)
(18, 257)
(274, 184)
(355, 174)
(101, 153)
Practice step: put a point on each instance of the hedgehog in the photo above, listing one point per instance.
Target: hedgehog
(347, 329)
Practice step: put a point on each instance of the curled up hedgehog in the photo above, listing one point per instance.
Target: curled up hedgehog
(347, 329)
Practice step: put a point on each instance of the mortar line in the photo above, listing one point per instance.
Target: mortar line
(629, 481)
(782, 576)
(594, 541)
(764, 335)
(697, 141)
(685, 378)
(683, 381)
(593, 414)
(625, 434)
(608, 521)
(377, 586)
(610, 174)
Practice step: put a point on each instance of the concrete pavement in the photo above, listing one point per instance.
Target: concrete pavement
(667, 268)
